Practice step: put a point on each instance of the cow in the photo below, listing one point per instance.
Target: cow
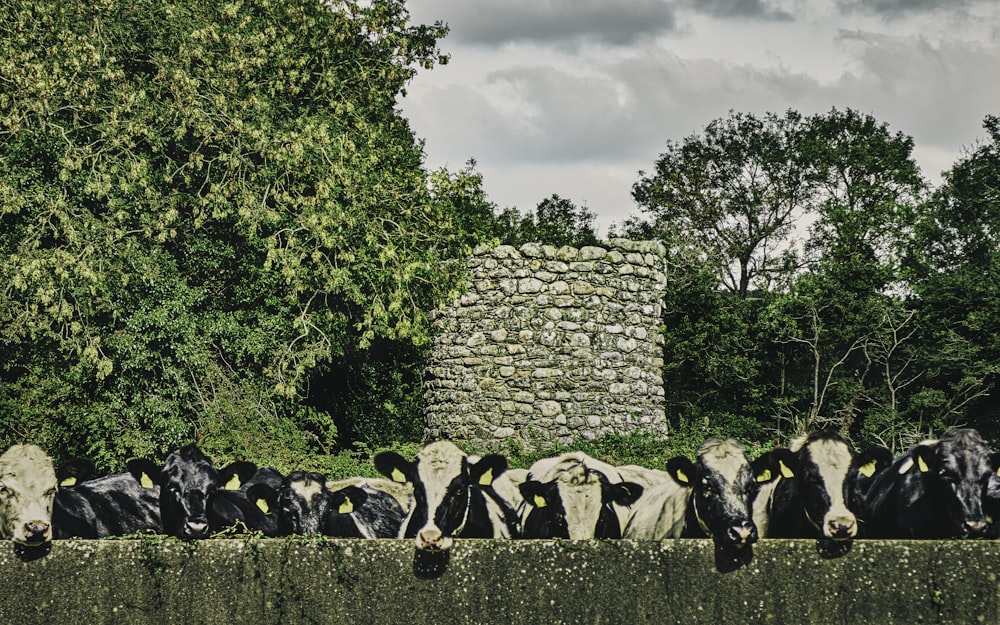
(112, 505)
(27, 492)
(991, 502)
(305, 504)
(234, 509)
(570, 497)
(934, 490)
(190, 502)
(809, 489)
(709, 497)
(454, 497)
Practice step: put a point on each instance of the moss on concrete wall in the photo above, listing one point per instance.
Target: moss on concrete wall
(165, 582)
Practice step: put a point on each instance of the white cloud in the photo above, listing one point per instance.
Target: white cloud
(579, 120)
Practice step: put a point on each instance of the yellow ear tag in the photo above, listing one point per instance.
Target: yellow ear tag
(346, 508)
(998, 472)
(785, 471)
(262, 504)
(922, 465)
(765, 476)
(539, 501)
(397, 476)
(681, 476)
(145, 481)
(233, 483)
(868, 469)
(486, 478)
(69, 481)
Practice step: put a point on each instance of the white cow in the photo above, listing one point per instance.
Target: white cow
(27, 490)
(708, 497)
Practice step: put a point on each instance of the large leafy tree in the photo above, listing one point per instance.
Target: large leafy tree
(736, 191)
(202, 202)
(954, 268)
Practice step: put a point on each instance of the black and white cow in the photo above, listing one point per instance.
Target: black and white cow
(303, 504)
(454, 497)
(570, 497)
(27, 492)
(112, 505)
(709, 497)
(934, 490)
(809, 488)
(193, 501)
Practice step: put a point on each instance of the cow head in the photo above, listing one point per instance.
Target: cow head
(74, 471)
(444, 479)
(303, 503)
(956, 471)
(27, 490)
(573, 501)
(822, 465)
(188, 483)
(723, 486)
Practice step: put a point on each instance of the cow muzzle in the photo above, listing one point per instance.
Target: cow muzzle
(974, 528)
(195, 529)
(841, 528)
(431, 539)
(743, 534)
(34, 533)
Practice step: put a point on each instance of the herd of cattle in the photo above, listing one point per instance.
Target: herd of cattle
(817, 488)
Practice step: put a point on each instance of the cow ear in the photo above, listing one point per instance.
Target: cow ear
(146, 472)
(74, 471)
(682, 470)
(264, 496)
(625, 493)
(873, 460)
(777, 463)
(533, 492)
(394, 467)
(487, 469)
(348, 499)
(923, 457)
(236, 474)
(995, 461)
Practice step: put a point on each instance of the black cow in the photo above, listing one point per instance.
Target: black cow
(710, 497)
(570, 497)
(235, 508)
(812, 491)
(190, 487)
(934, 490)
(112, 505)
(304, 504)
(454, 496)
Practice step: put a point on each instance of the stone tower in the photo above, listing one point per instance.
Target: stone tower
(550, 345)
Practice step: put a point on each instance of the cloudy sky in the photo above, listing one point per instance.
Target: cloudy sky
(574, 97)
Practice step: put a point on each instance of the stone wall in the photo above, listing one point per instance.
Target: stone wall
(550, 345)
(296, 581)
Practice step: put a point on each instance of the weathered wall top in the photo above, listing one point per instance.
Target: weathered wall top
(550, 344)
(485, 582)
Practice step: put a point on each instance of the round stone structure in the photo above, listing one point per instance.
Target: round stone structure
(550, 345)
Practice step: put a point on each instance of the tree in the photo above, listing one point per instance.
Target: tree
(555, 221)
(865, 185)
(952, 266)
(737, 192)
(201, 203)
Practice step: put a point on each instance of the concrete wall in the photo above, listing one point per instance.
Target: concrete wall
(158, 581)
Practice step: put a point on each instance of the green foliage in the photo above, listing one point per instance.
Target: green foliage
(202, 205)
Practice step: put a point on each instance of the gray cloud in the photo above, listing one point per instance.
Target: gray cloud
(757, 9)
(549, 22)
(898, 8)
